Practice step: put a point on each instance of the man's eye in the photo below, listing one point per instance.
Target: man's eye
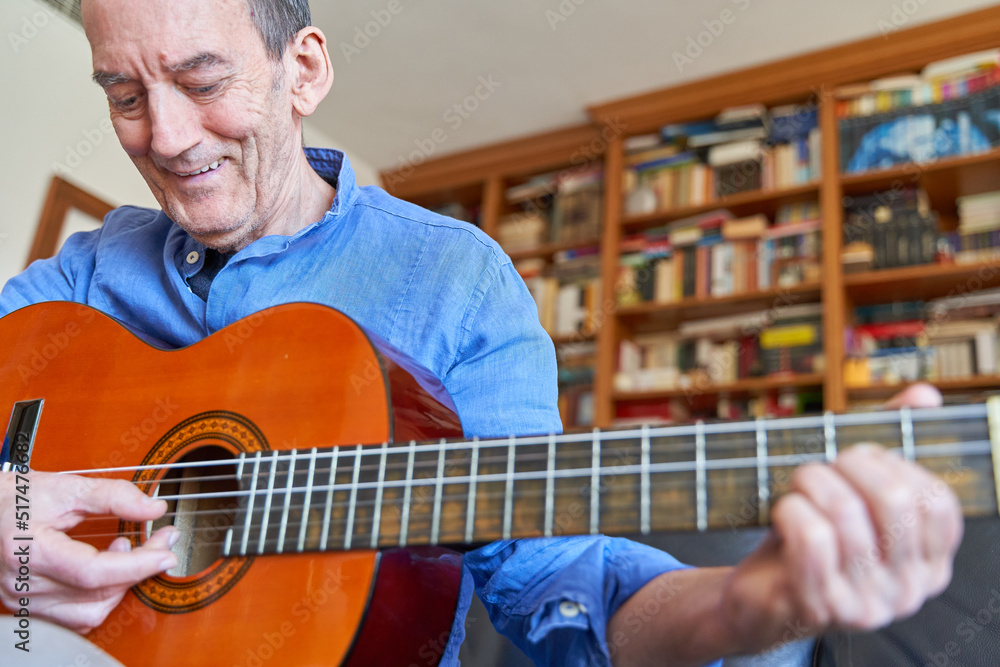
(125, 104)
(204, 90)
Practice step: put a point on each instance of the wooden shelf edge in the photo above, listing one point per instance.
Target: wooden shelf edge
(947, 386)
(569, 339)
(662, 308)
(916, 272)
(750, 385)
(549, 249)
(741, 199)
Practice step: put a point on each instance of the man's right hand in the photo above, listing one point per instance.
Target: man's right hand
(71, 582)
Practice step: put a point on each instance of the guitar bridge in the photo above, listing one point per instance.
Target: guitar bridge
(20, 437)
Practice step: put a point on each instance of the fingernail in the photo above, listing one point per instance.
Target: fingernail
(174, 537)
(168, 563)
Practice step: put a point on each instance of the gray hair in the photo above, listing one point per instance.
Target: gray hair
(278, 21)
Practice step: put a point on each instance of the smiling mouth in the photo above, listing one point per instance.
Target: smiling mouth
(212, 167)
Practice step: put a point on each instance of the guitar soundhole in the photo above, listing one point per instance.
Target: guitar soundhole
(196, 509)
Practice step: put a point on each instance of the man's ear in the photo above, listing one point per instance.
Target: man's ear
(310, 70)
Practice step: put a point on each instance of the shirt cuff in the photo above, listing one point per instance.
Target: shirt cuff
(554, 597)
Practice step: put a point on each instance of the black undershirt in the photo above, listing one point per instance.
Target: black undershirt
(201, 282)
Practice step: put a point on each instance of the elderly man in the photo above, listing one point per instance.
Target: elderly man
(207, 99)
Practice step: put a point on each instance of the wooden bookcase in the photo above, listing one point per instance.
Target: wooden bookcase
(482, 175)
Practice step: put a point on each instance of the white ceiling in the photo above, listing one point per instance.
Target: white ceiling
(552, 58)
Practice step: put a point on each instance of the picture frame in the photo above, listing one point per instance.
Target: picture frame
(62, 200)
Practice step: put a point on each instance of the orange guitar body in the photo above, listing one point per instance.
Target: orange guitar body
(294, 377)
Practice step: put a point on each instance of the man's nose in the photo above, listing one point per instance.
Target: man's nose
(175, 123)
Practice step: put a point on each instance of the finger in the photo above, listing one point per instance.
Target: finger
(121, 545)
(80, 565)
(881, 480)
(941, 515)
(107, 496)
(83, 617)
(163, 539)
(920, 395)
(841, 505)
(810, 546)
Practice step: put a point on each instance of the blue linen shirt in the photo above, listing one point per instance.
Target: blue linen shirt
(438, 290)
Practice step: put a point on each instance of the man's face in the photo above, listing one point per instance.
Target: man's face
(199, 107)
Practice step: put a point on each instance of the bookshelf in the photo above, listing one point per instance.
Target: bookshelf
(483, 175)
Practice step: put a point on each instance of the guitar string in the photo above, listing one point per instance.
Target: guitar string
(936, 451)
(281, 476)
(660, 448)
(486, 497)
(528, 493)
(924, 452)
(941, 414)
(492, 513)
(658, 486)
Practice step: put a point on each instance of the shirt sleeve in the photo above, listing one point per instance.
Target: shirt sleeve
(65, 277)
(504, 378)
(553, 597)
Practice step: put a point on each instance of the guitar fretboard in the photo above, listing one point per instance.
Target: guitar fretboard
(682, 478)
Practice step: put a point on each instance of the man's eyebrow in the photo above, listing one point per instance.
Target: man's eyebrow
(106, 79)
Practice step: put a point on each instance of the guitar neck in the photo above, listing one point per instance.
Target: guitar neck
(680, 478)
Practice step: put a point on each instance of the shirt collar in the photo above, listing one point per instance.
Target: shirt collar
(334, 167)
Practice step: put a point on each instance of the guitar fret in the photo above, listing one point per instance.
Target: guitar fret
(352, 503)
(701, 480)
(377, 514)
(438, 484)
(645, 514)
(470, 512)
(262, 538)
(300, 543)
(405, 520)
(508, 497)
(993, 421)
(830, 435)
(906, 426)
(245, 542)
(282, 530)
(227, 548)
(763, 490)
(324, 537)
(595, 483)
(550, 486)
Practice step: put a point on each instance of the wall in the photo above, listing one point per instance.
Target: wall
(53, 118)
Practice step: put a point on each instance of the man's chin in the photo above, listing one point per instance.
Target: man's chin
(225, 241)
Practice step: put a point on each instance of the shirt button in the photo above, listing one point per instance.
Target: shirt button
(570, 609)
(192, 257)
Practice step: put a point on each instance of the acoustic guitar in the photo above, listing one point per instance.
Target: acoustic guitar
(316, 476)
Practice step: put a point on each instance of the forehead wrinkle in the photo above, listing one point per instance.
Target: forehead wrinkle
(206, 59)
